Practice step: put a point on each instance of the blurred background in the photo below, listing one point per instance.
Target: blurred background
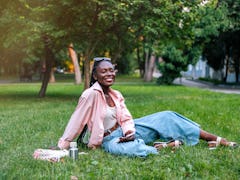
(152, 39)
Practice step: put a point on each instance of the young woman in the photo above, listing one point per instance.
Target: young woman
(111, 126)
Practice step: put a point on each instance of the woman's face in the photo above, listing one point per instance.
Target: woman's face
(105, 74)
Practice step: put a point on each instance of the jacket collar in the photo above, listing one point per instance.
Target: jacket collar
(97, 86)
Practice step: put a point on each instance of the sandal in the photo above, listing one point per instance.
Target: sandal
(232, 144)
(214, 144)
(160, 145)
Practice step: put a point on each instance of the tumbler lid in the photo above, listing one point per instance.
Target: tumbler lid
(73, 144)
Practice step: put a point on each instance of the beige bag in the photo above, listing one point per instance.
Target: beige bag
(50, 155)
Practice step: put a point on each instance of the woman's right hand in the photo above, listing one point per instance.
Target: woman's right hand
(129, 136)
(62, 144)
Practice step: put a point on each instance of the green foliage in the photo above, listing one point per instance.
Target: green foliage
(28, 123)
(211, 21)
(233, 7)
(125, 65)
(192, 54)
(223, 50)
(93, 26)
(118, 27)
(173, 63)
(215, 52)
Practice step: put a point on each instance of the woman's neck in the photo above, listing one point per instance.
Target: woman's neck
(105, 90)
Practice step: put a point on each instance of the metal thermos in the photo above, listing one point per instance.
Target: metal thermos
(73, 151)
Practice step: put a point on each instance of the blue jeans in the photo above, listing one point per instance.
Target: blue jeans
(166, 125)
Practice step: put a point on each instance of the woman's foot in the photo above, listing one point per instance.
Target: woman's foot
(220, 141)
(172, 144)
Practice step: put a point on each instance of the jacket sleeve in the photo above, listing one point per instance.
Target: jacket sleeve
(126, 120)
(76, 123)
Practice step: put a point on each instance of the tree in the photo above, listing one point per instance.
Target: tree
(100, 27)
(94, 26)
(159, 23)
(173, 63)
(197, 25)
(91, 25)
(222, 50)
(10, 51)
(73, 56)
(38, 32)
(49, 58)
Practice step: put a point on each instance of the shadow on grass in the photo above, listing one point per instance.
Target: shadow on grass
(67, 91)
(21, 96)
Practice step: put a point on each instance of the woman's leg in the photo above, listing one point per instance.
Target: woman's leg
(132, 148)
(167, 125)
(172, 144)
(211, 137)
(204, 135)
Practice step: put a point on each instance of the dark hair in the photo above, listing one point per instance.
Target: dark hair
(97, 61)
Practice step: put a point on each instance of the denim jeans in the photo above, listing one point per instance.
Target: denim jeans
(166, 125)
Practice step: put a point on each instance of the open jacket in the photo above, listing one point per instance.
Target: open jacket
(91, 110)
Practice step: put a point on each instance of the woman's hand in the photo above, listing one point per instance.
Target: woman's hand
(129, 136)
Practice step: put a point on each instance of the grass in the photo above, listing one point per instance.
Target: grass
(28, 123)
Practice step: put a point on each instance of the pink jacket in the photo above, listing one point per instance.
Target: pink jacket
(91, 110)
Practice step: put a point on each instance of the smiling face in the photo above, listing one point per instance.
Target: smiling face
(105, 74)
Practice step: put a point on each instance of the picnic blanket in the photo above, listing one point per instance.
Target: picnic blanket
(50, 155)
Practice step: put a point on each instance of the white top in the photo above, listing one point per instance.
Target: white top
(109, 121)
(110, 118)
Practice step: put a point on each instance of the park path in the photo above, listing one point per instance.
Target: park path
(228, 89)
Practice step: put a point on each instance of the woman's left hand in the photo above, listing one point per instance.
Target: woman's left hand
(129, 136)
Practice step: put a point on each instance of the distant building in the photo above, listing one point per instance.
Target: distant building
(202, 70)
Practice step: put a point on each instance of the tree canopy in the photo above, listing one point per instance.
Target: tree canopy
(222, 50)
(42, 30)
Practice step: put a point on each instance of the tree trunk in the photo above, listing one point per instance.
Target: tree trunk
(146, 64)
(140, 63)
(237, 67)
(52, 77)
(149, 67)
(227, 60)
(49, 59)
(226, 70)
(118, 51)
(87, 60)
(86, 72)
(73, 56)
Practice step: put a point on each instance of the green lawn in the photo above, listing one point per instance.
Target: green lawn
(28, 123)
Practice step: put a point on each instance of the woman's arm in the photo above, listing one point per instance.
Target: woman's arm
(126, 121)
(76, 123)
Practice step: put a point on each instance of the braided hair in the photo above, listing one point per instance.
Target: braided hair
(97, 61)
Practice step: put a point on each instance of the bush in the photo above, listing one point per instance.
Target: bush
(173, 63)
